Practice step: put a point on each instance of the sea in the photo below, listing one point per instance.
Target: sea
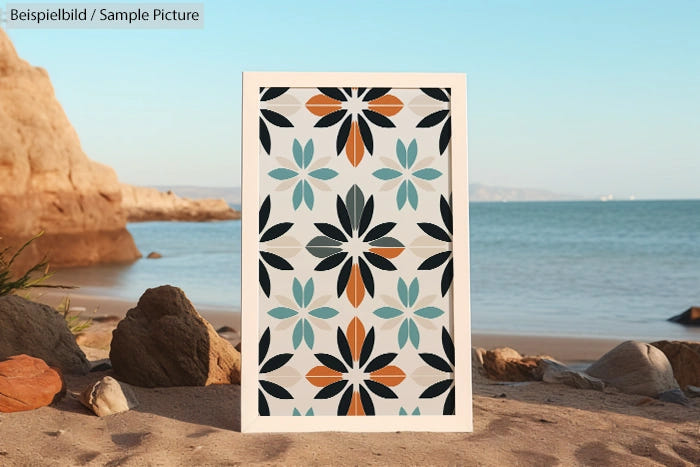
(615, 269)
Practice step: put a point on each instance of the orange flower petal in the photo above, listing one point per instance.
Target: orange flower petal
(321, 376)
(322, 105)
(388, 253)
(386, 105)
(389, 375)
(356, 337)
(356, 405)
(356, 288)
(355, 147)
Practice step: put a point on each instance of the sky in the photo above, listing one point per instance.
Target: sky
(587, 98)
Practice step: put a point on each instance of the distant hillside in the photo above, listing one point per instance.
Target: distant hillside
(477, 192)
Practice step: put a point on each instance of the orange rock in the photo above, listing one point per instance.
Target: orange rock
(27, 383)
(506, 364)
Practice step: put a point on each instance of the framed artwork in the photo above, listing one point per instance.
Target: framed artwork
(355, 270)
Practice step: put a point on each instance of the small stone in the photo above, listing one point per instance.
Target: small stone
(108, 396)
(555, 372)
(154, 255)
(690, 317)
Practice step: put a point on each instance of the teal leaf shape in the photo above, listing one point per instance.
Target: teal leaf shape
(403, 292)
(308, 292)
(323, 174)
(413, 291)
(401, 195)
(310, 412)
(308, 195)
(282, 312)
(298, 154)
(297, 195)
(401, 153)
(282, 174)
(429, 312)
(297, 334)
(308, 153)
(403, 333)
(296, 413)
(427, 174)
(308, 334)
(412, 194)
(386, 174)
(324, 312)
(413, 333)
(411, 154)
(298, 292)
(416, 411)
(387, 312)
(402, 411)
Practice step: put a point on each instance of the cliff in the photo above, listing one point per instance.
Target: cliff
(148, 204)
(47, 183)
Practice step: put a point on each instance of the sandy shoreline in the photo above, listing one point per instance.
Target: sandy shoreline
(570, 350)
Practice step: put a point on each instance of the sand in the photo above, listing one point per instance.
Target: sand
(514, 424)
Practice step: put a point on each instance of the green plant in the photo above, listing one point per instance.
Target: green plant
(75, 323)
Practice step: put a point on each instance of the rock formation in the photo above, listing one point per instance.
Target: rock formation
(685, 360)
(48, 183)
(148, 204)
(27, 383)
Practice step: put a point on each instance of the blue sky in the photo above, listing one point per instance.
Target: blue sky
(587, 98)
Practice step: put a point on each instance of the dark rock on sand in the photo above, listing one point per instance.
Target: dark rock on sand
(163, 341)
(635, 368)
(685, 360)
(39, 331)
(27, 383)
(691, 317)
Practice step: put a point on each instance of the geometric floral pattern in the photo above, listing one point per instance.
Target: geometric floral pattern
(355, 268)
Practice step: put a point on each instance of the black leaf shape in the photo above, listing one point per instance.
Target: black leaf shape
(433, 119)
(436, 93)
(380, 362)
(355, 202)
(265, 136)
(331, 390)
(263, 408)
(344, 347)
(367, 405)
(375, 93)
(380, 389)
(344, 404)
(379, 231)
(367, 277)
(436, 389)
(344, 277)
(367, 347)
(445, 135)
(379, 261)
(331, 119)
(264, 214)
(366, 218)
(343, 134)
(449, 407)
(378, 119)
(275, 390)
(434, 261)
(271, 93)
(331, 362)
(360, 91)
(263, 278)
(331, 262)
(343, 216)
(275, 362)
(449, 91)
(446, 280)
(448, 346)
(446, 213)
(348, 91)
(366, 133)
(276, 119)
(334, 93)
(331, 231)
(263, 345)
(435, 231)
(436, 362)
(276, 261)
(276, 231)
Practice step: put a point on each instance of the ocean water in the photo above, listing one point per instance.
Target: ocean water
(590, 269)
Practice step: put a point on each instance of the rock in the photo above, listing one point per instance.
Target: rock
(693, 391)
(506, 364)
(685, 360)
(38, 330)
(148, 204)
(27, 383)
(49, 184)
(479, 375)
(635, 368)
(108, 396)
(163, 341)
(238, 347)
(554, 372)
(674, 396)
(154, 255)
(226, 329)
(691, 317)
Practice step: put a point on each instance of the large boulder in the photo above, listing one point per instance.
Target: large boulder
(49, 184)
(690, 317)
(27, 383)
(685, 360)
(635, 368)
(38, 330)
(506, 364)
(108, 396)
(163, 341)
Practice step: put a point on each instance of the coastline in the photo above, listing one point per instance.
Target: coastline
(570, 350)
